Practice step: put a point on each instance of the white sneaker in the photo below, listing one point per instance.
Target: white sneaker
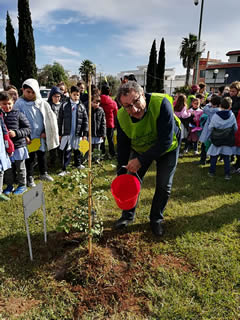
(62, 174)
(46, 177)
(196, 152)
(81, 167)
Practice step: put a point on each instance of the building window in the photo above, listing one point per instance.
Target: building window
(202, 73)
(238, 59)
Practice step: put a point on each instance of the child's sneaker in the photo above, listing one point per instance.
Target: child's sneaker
(211, 175)
(227, 177)
(62, 174)
(20, 190)
(46, 177)
(185, 151)
(3, 197)
(8, 190)
(30, 182)
(196, 152)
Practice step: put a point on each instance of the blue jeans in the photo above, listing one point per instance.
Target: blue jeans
(213, 162)
(165, 169)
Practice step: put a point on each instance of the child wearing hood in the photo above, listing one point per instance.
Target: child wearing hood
(43, 122)
(225, 122)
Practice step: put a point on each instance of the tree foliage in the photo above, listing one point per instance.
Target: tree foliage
(111, 81)
(51, 75)
(3, 63)
(151, 69)
(12, 54)
(188, 54)
(87, 68)
(26, 46)
(160, 67)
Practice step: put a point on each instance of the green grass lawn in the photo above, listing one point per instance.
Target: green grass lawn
(192, 272)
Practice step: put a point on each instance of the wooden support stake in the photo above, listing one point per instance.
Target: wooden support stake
(90, 165)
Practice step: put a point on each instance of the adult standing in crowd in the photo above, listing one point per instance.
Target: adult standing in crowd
(147, 130)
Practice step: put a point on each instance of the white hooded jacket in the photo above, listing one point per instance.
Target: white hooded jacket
(49, 117)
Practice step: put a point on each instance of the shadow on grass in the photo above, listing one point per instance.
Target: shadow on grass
(207, 222)
(15, 258)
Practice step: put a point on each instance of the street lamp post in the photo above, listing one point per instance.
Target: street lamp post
(215, 73)
(226, 77)
(198, 41)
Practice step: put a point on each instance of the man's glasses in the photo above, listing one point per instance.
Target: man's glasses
(135, 103)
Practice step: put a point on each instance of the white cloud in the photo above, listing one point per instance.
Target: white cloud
(56, 51)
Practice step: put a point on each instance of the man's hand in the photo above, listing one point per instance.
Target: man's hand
(133, 165)
(12, 133)
(43, 135)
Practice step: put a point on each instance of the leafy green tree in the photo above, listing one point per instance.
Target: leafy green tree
(26, 46)
(151, 69)
(86, 68)
(111, 81)
(51, 75)
(160, 67)
(12, 54)
(3, 63)
(188, 54)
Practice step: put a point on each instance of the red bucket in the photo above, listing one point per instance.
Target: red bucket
(125, 189)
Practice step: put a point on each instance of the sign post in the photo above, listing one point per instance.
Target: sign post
(33, 200)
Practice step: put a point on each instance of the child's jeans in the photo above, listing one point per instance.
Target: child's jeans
(213, 162)
(42, 162)
(188, 144)
(20, 168)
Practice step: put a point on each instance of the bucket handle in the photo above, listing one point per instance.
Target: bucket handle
(137, 175)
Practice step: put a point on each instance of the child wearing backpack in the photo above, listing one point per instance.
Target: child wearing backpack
(222, 127)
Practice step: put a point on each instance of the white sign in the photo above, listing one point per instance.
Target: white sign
(33, 200)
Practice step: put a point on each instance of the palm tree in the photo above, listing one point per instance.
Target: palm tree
(3, 63)
(188, 54)
(86, 68)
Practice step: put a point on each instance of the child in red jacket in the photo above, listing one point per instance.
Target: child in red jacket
(110, 108)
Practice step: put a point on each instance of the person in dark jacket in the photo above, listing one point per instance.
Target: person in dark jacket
(19, 128)
(72, 126)
(54, 100)
(147, 130)
(98, 125)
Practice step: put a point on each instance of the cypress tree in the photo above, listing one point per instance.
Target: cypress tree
(151, 69)
(26, 47)
(12, 54)
(161, 67)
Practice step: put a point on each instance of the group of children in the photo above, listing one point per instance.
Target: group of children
(213, 124)
(58, 125)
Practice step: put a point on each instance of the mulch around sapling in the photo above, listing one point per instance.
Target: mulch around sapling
(112, 275)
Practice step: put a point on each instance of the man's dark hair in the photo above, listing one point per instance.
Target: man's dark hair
(226, 103)
(105, 90)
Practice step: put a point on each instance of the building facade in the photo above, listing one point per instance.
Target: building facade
(223, 73)
(171, 81)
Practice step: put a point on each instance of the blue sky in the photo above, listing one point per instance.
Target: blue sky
(117, 35)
